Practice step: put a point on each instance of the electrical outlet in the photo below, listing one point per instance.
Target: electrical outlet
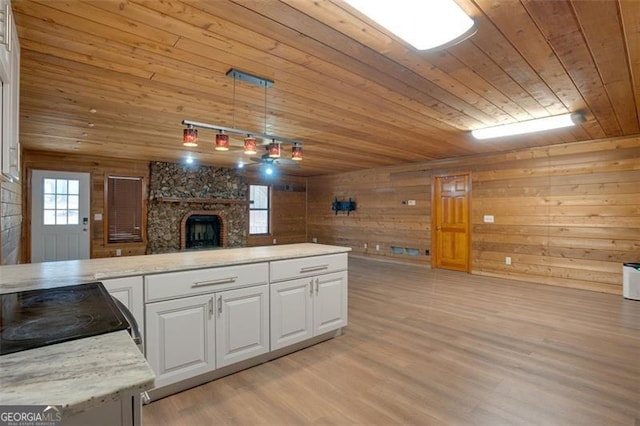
(274, 241)
(314, 240)
(377, 247)
(366, 245)
(507, 260)
(118, 252)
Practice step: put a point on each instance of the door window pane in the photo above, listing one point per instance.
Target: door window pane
(61, 186)
(61, 217)
(61, 202)
(49, 217)
(49, 186)
(74, 187)
(49, 201)
(59, 207)
(73, 202)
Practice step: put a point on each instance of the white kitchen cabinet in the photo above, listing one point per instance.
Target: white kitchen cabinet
(180, 338)
(10, 97)
(302, 308)
(242, 324)
(128, 290)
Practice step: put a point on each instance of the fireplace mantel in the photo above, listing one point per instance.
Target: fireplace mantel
(200, 200)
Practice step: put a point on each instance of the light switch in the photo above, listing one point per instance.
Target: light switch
(488, 218)
(97, 216)
(411, 202)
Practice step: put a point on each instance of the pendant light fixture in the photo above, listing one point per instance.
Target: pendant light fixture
(190, 133)
(250, 145)
(190, 136)
(222, 141)
(274, 149)
(296, 152)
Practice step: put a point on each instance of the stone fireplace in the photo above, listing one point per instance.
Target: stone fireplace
(195, 207)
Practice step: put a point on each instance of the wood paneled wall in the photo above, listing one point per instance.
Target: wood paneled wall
(99, 168)
(567, 215)
(10, 223)
(288, 210)
(288, 222)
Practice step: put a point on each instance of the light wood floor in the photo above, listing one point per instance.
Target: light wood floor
(433, 347)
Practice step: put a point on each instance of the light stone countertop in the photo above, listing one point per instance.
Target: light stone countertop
(84, 373)
(56, 274)
(79, 375)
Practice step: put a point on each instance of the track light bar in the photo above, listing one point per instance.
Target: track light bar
(530, 126)
(240, 132)
(249, 78)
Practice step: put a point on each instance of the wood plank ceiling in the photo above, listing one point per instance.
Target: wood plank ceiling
(356, 96)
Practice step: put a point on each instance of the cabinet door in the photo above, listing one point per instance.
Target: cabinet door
(329, 302)
(291, 312)
(129, 291)
(180, 338)
(242, 324)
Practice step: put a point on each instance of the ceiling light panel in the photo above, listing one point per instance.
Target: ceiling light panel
(530, 126)
(425, 24)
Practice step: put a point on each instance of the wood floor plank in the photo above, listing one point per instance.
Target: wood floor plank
(440, 347)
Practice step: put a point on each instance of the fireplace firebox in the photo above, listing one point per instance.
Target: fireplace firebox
(202, 230)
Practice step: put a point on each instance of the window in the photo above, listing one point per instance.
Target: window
(124, 209)
(258, 209)
(61, 201)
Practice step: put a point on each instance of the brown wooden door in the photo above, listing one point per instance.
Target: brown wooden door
(451, 228)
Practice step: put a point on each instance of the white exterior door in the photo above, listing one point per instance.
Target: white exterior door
(60, 204)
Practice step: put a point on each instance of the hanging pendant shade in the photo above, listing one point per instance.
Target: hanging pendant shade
(190, 136)
(296, 152)
(250, 145)
(222, 142)
(274, 150)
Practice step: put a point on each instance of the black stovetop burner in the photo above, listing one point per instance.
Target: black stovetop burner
(30, 319)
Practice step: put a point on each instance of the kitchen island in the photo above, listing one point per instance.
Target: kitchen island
(279, 272)
(54, 274)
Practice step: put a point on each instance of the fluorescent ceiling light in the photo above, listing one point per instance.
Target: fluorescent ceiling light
(537, 125)
(425, 24)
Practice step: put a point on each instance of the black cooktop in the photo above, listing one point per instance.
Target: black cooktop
(30, 319)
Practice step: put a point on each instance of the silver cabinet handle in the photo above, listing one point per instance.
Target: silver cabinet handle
(214, 282)
(311, 287)
(313, 268)
(210, 308)
(219, 306)
(317, 286)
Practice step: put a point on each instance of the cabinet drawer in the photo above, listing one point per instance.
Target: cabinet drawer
(307, 266)
(186, 283)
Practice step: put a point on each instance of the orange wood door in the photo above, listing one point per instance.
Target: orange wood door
(451, 228)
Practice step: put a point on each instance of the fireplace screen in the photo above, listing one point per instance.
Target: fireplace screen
(202, 232)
